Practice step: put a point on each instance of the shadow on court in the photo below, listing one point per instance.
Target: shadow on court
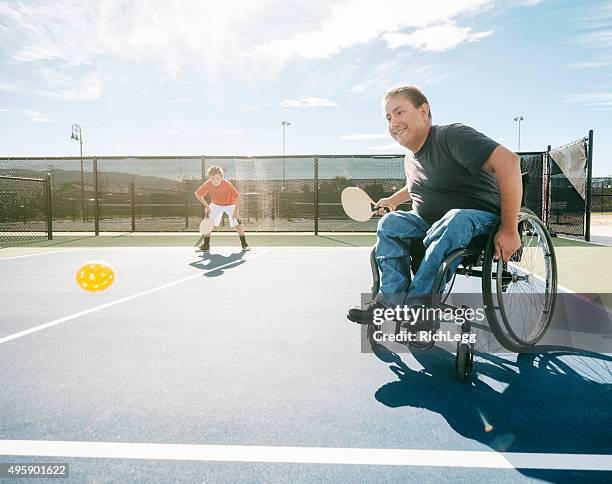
(217, 264)
(339, 241)
(68, 240)
(548, 402)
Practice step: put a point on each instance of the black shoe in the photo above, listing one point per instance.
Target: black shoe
(246, 247)
(365, 315)
(204, 250)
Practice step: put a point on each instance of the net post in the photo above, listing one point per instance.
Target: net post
(587, 232)
(132, 190)
(316, 195)
(49, 206)
(96, 198)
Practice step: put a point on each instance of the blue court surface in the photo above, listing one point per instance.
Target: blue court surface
(242, 367)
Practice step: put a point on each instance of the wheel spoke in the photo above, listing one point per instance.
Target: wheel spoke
(525, 301)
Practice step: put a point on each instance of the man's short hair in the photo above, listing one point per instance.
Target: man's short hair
(412, 93)
(214, 170)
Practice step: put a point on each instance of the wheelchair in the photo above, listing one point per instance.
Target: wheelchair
(518, 296)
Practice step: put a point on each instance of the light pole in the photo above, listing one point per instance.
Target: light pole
(518, 119)
(78, 136)
(284, 124)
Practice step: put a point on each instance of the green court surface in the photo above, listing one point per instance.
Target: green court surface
(583, 267)
(224, 239)
(156, 239)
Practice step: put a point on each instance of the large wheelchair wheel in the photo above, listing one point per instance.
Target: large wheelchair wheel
(520, 295)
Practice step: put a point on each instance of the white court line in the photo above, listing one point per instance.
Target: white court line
(229, 247)
(55, 322)
(190, 248)
(60, 251)
(335, 247)
(308, 455)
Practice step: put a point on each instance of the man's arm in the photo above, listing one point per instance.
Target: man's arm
(507, 168)
(399, 197)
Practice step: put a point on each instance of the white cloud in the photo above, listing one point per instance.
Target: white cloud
(396, 39)
(74, 49)
(387, 75)
(598, 39)
(35, 116)
(364, 136)
(390, 147)
(4, 110)
(357, 22)
(596, 26)
(376, 76)
(112, 39)
(58, 84)
(8, 12)
(225, 131)
(590, 64)
(8, 87)
(601, 101)
(181, 100)
(435, 39)
(246, 38)
(308, 102)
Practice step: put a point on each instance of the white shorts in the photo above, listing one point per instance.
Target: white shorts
(216, 212)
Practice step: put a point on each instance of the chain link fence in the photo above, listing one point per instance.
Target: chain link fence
(25, 210)
(533, 169)
(379, 175)
(148, 194)
(72, 188)
(283, 193)
(602, 195)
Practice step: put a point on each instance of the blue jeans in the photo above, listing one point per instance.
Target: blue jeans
(397, 229)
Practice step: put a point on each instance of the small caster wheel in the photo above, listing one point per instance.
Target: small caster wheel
(464, 361)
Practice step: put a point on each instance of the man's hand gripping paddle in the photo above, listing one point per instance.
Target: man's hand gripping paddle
(357, 204)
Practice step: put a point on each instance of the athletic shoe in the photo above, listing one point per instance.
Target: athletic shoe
(365, 315)
(246, 247)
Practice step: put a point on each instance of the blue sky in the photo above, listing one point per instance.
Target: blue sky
(170, 77)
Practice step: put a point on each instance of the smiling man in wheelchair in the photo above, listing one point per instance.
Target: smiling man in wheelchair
(462, 185)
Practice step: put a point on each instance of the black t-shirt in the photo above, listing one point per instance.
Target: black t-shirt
(447, 172)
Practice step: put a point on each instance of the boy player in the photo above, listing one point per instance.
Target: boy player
(224, 198)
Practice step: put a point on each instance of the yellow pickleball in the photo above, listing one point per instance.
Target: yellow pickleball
(96, 275)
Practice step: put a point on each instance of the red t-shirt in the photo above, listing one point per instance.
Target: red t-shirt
(224, 194)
